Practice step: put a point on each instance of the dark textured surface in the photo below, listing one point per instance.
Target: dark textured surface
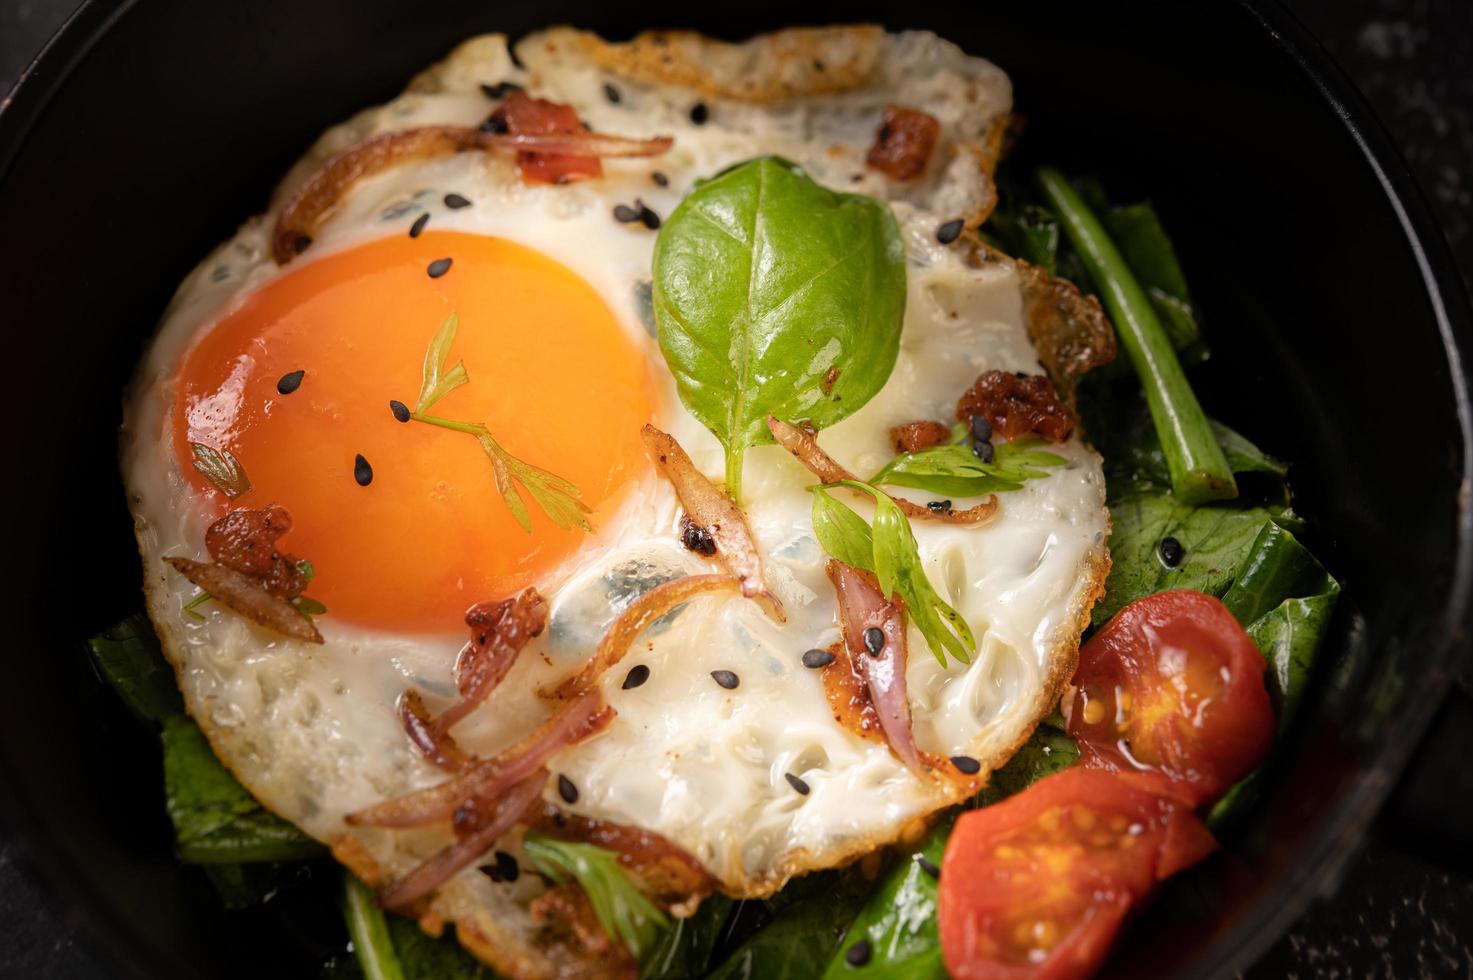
(1405, 908)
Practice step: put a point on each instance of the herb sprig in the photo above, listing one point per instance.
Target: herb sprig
(953, 470)
(888, 549)
(558, 498)
(221, 468)
(622, 909)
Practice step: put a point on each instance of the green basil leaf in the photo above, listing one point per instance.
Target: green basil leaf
(215, 819)
(622, 909)
(684, 950)
(810, 917)
(841, 532)
(130, 660)
(774, 295)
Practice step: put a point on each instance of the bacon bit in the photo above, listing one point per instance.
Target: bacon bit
(667, 873)
(314, 201)
(713, 511)
(249, 597)
(403, 893)
(904, 142)
(804, 445)
(637, 617)
(245, 540)
(526, 116)
(487, 779)
(433, 743)
(849, 697)
(912, 437)
(862, 606)
(1017, 405)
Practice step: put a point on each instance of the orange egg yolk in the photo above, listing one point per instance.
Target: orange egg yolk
(553, 376)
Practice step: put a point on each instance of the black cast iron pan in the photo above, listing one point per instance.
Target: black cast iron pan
(147, 131)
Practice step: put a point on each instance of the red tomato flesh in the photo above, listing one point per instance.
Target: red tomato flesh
(538, 117)
(1173, 685)
(1038, 885)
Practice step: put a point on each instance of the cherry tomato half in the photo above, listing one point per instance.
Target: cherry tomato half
(1036, 886)
(1173, 685)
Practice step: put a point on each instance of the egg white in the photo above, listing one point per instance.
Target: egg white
(313, 731)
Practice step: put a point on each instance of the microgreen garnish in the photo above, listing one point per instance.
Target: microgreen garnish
(888, 549)
(221, 468)
(557, 497)
(627, 916)
(954, 470)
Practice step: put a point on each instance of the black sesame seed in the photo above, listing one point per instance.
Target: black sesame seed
(637, 675)
(699, 113)
(362, 472)
(796, 783)
(419, 225)
(624, 214)
(966, 764)
(874, 641)
(566, 789)
(648, 216)
(983, 450)
(400, 410)
(949, 231)
(928, 867)
(726, 679)
(814, 659)
(660, 179)
(290, 382)
(1171, 551)
(939, 506)
(858, 954)
(500, 89)
(981, 429)
(612, 93)
(495, 123)
(505, 868)
(438, 268)
(455, 201)
(301, 243)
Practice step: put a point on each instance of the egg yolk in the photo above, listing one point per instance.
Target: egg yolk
(553, 376)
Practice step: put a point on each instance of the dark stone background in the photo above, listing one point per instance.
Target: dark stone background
(1405, 908)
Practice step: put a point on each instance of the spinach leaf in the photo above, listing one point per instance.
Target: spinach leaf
(900, 918)
(774, 295)
(1138, 233)
(1028, 231)
(810, 918)
(215, 819)
(129, 659)
(1120, 427)
(622, 909)
(1289, 635)
(684, 950)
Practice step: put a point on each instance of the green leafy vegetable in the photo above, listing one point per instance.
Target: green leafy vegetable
(369, 931)
(421, 956)
(215, 819)
(221, 468)
(953, 470)
(557, 497)
(888, 549)
(622, 909)
(899, 920)
(1199, 471)
(1027, 231)
(1137, 232)
(129, 659)
(684, 950)
(774, 295)
(241, 886)
(810, 916)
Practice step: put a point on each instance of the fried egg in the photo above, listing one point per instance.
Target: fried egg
(552, 297)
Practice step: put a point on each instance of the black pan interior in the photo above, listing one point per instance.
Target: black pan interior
(1329, 351)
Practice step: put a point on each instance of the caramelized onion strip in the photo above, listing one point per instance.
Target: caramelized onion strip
(487, 778)
(249, 597)
(714, 512)
(637, 617)
(805, 448)
(433, 743)
(401, 894)
(862, 607)
(313, 202)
